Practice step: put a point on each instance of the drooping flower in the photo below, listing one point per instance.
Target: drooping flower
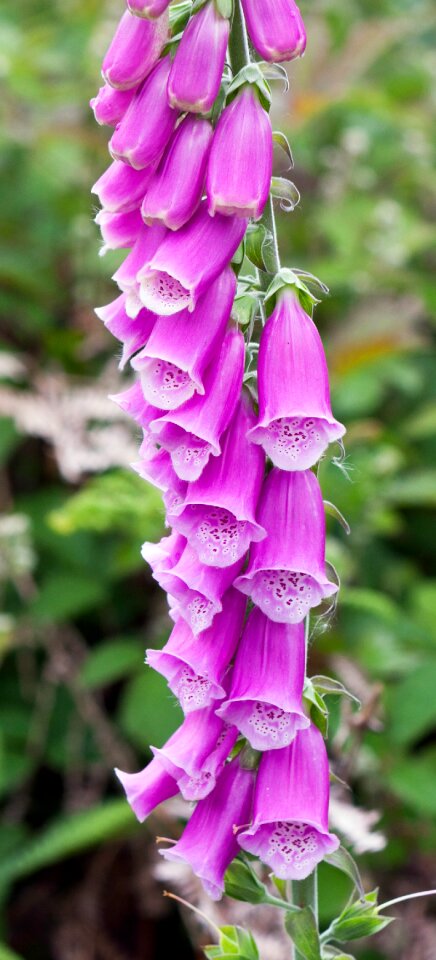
(175, 191)
(296, 423)
(132, 400)
(192, 433)
(290, 831)
(134, 50)
(148, 788)
(109, 105)
(148, 8)
(195, 666)
(118, 230)
(145, 129)
(173, 364)
(218, 514)
(121, 188)
(188, 261)
(286, 573)
(197, 68)
(276, 28)
(265, 697)
(243, 133)
(133, 334)
(196, 753)
(208, 842)
(149, 239)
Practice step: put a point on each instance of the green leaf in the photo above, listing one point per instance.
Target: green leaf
(414, 489)
(7, 954)
(234, 942)
(253, 75)
(334, 953)
(66, 595)
(286, 192)
(360, 919)
(245, 308)
(412, 704)
(326, 685)
(225, 8)
(283, 142)
(142, 715)
(110, 661)
(242, 883)
(302, 928)
(255, 239)
(317, 709)
(342, 860)
(334, 511)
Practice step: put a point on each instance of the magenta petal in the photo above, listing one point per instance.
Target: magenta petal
(148, 8)
(197, 68)
(188, 261)
(132, 402)
(286, 573)
(148, 788)
(133, 334)
(109, 105)
(156, 468)
(290, 831)
(218, 515)
(173, 364)
(197, 589)
(143, 133)
(243, 133)
(176, 188)
(135, 48)
(265, 697)
(121, 188)
(196, 753)
(276, 28)
(208, 842)
(148, 241)
(118, 230)
(195, 666)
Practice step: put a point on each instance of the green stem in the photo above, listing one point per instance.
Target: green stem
(305, 894)
(238, 43)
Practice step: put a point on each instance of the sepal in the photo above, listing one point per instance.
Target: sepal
(290, 278)
(242, 883)
(360, 919)
(234, 943)
(259, 247)
(253, 75)
(285, 191)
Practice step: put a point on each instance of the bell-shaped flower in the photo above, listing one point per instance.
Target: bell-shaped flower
(147, 243)
(218, 514)
(243, 133)
(145, 129)
(110, 105)
(155, 466)
(133, 403)
(135, 48)
(265, 698)
(188, 261)
(295, 423)
(118, 230)
(289, 831)
(197, 68)
(276, 29)
(148, 788)
(208, 842)
(173, 364)
(195, 666)
(148, 8)
(121, 188)
(192, 433)
(196, 753)
(286, 573)
(176, 188)
(133, 334)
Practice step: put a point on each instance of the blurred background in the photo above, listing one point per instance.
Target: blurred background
(78, 879)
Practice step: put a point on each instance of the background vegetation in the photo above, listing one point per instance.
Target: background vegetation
(77, 877)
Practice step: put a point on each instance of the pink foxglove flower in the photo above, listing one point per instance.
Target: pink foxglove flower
(149, 239)
(196, 753)
(188, 261)
(145, 129)
(121, 188)
(134, 50)
(175, 191)
(192, 433)
(244, 134)
(276, 28)
(118, 230)
(197, 68)
(208, 843)
(265, 698)
(133, 334)
(172, 366)
(218, 514)
(132, 401)
(195, 666)
(286, 573)
(109, 105)
(290, 831)
(148, 788)
(148, 8)
(296, 423)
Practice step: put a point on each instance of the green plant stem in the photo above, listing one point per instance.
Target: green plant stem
(305, 894)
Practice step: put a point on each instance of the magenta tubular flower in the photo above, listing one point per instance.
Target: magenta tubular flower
(121, 188)
(148, 788)
(196, 753)
(155, 466)
(208, 842)
(197, 68)
(143, 133)
(218, 514)
(241, 187)
(134, 50)
(133, 334)
(172, 366)
(175, 190)
(188, 261)
(296, 423)
(147, 243)
(118, 230)
(265, 698)
(148, 8)
(290, 831)
(276, 29)
(286, 573)
(109, 105)
(192, 433)
(195, 667)
(132, 402)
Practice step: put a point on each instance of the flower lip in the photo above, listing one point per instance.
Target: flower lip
(164, 293)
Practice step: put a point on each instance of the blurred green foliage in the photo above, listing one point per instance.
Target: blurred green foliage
(78, 605)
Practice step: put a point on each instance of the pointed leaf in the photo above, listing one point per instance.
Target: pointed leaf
(286, 192)
(302, 928)
(342, 860)
(333, 510)
(242, 883)
(326, 685)
(283, 142)
(255, 238)
(225, 8)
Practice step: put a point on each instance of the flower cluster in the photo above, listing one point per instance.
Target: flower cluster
(244, 562)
